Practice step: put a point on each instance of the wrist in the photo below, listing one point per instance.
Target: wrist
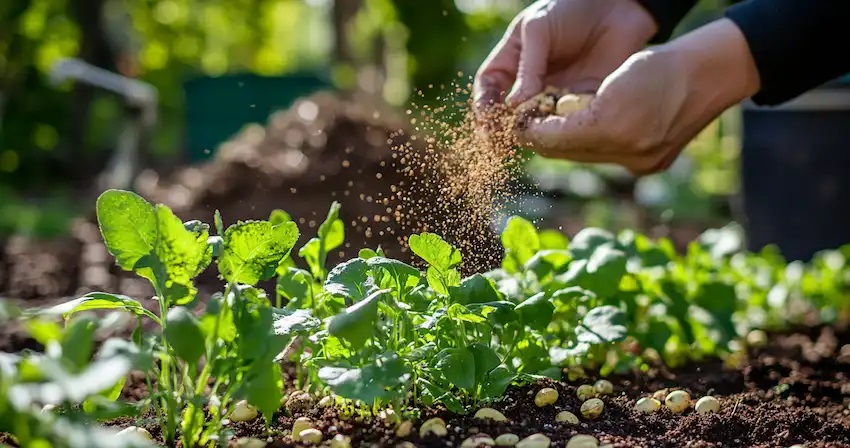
(717, 60)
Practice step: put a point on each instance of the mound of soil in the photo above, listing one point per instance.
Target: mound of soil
(325, 148)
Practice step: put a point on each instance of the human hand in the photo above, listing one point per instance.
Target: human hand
(650, 107)
(571, 44)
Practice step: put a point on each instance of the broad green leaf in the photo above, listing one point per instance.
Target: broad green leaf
(485, 360)
(111, 394)
(435, 251)
(367, 253)
(183, 333)
(78, 342)
(311, 253)
(290, 323)
(553, 239)
(379, 380)
(406, 275)
(294, 284)
(474, 289)
(431, 394)
(348, 279)
(586, 241)
(44, 332)
(602, 324)
(605, 269)
(496, 383)
(219, 224)
(536, 311)
(461, 313)
(181, 253)
(332, 230)
(548, 261)
(253, 249)
(264, 389)
(520, 241)
(441, 281)
(457, 366)
(356, 324)
(500, 313)
(100, 301)
(128, 226)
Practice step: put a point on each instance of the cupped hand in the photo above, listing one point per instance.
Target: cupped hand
(652, 105)
(571, 44)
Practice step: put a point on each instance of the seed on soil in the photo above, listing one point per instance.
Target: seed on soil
(677, 401)
(243, 412)
(647, 405)
(491, 414)
(311, 435)
(757, 338)
(507, 439)
(546, 397)
(135, 431)
(341, 441)
(299, 401)
(326, 402)
(435, 426)
(592, 408)
(583, 441)
(534, 441)
(389, 417)
(250, 442)
(707, 405)
(478, 440)
(566, 417)
(301, 423)
(404, 429)
(603, 387)
(585, 392)
(661, 395)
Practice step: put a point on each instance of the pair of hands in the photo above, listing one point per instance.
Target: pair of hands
(649, 103)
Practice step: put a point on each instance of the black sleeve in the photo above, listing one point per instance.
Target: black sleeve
(797, 45)
(667, 15)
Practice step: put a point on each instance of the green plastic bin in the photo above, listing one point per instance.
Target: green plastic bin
(217, 108)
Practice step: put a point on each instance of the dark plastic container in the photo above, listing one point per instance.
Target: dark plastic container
(795, 169)
(218, 107)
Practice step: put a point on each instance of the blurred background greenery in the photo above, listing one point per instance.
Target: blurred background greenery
(54, 138)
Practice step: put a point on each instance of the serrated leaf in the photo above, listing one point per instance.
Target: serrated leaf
(128, 226)
(435, 251)
(603, 324)
(253, 249)
(404, 274)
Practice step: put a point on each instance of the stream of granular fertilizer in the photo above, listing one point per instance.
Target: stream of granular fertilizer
(469, 176)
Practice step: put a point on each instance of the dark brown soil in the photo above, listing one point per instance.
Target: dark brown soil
(794, 391)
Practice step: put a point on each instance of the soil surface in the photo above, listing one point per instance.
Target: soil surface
(796, 390)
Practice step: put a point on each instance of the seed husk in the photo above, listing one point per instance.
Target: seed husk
(435, 426)
(566, 417)
(583, 441)
(707, 405)
(311, 435)
(571, 103)
(341, 441)
(490, 414)
(592, 408)
(507, 439)
(404, 429)
(603, 387)
(137, 431)
(647, 405)
(534, 441)
(585, 392)
(677, 401)
(478, 440)
(661, 395)
(300, 424)
(243, 412)
(545, 397)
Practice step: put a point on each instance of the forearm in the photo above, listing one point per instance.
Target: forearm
(793, 44)
(667, 15)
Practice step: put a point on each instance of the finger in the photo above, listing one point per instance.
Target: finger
(533, 59)
(498, 72)
(577, 133)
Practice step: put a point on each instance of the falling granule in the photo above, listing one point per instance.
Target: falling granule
(461, 181)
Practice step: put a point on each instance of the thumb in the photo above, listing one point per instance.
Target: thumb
(533, 60)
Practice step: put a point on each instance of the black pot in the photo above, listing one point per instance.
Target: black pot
(795, 170)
